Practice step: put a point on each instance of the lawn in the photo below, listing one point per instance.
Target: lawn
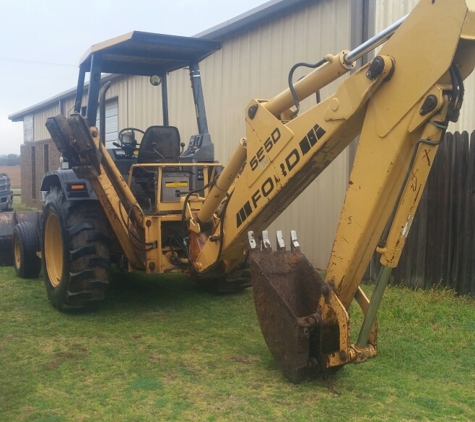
(163, 350)
(17, 205)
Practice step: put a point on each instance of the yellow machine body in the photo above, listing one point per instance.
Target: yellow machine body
(399, 104)
(400, 98)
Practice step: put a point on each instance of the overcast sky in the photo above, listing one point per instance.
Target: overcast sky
(41, 42)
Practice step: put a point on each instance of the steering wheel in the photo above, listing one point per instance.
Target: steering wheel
(132, 145)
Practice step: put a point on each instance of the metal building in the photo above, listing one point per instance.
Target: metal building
(258, 50)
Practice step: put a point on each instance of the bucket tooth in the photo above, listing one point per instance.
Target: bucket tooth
(266, 245)
(287, 291)
(279, 240)
(252, 241)
(294, 243)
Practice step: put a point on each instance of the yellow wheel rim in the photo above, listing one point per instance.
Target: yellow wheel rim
(53, 250)
(17, 253)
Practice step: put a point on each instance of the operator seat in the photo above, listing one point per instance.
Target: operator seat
(160, 144)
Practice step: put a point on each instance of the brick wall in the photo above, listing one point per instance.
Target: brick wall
(36, 159)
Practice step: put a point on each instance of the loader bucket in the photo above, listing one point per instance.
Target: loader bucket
(8, 221)
(287, 291)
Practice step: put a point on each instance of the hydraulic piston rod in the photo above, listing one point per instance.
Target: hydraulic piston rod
(334, 67)
(373, 42)
(372, 311)
(224, 182)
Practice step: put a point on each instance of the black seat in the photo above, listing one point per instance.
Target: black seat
(160, 144)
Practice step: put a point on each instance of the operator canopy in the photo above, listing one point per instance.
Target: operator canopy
(146, 53)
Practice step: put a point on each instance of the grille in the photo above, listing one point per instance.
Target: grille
(4, 183)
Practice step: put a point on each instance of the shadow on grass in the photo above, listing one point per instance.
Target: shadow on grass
(138, 290)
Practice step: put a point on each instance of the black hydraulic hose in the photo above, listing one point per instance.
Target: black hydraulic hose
(461, 87)
(454, 103)
(453, 77)
(183, 219)
(187, 198)
(456, 100)
(387, 228)
(148, 245)
(130, 233)
(291, 83)
(221, 225)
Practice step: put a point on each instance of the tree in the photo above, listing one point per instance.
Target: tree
(9, 160)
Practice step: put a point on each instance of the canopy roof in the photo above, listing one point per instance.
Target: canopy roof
(146, 53)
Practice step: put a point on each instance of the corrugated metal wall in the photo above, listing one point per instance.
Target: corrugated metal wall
(388, 12)
(253, 64)
(39, 118)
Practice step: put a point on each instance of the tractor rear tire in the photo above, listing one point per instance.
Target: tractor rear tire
(75, 253)
(26, 245)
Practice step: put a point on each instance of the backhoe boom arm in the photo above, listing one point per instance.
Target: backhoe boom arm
(400, 104)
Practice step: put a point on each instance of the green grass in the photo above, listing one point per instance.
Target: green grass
(162, 350)
(17, 205)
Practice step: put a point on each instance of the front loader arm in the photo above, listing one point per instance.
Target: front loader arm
(400, 104)
(80, 144)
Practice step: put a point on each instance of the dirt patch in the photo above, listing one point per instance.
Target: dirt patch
(28, 409)
(246, 359)
(14, 173)
(330, 384)
(155, 358)
(62, 357)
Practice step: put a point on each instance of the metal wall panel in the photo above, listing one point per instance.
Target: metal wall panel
(144, 103)
(467, 114)
(39, 119)
(68, 106)
(255, 64)
(388, 12)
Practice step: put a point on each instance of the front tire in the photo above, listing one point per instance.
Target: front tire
(26, 244)
(75, 253)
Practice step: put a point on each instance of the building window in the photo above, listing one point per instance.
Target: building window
(46, 158)
(33, 173)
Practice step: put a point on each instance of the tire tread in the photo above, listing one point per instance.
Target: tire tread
(27, 237)
(86, 245)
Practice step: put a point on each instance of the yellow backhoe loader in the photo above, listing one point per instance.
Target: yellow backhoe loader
(149, 206)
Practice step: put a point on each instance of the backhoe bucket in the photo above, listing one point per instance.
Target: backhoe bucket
(287, 291)
(8, 221)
